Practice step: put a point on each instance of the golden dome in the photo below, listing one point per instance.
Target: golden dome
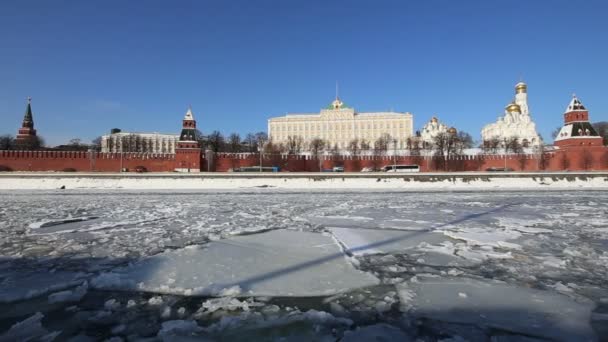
(452, 130)
(513, 108)
(521, 87)
(434, 119)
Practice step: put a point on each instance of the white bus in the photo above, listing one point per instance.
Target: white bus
(401, 168)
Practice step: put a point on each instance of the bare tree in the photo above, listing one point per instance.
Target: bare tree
(215, 141)
(465, 140)
(602, 130)
(555, 132)
(353, 147)
(491, 145)
(381, 144)
(96, 144)
(316, 146)
(234, 143)
(364, 145)
(447, 146)
(294, 144)
(251, 142)
(7, 142)
(512, 144)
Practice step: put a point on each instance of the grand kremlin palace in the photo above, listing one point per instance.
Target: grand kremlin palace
(338, 125)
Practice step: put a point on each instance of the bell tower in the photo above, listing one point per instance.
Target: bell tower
(188, 150)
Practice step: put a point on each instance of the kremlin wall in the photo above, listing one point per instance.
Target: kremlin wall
(577, 148)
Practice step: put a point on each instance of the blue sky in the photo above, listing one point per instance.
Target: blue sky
(94, 65)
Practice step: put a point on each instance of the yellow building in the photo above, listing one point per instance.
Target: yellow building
(338, 125)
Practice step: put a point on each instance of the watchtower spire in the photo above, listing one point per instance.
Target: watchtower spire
(27, 131)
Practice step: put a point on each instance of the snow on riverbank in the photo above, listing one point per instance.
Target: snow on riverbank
(311, 181)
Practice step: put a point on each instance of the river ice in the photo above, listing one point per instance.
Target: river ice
(268, 264)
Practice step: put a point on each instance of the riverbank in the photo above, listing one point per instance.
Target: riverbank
(308, 181)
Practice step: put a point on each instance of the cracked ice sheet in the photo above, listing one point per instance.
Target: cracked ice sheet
(276, 263)
(360, 241)
(498, 305)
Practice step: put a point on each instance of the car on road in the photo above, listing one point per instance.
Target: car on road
(499, 169)
(338, 169)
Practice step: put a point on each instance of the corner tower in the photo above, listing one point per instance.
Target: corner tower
(188, 150)
(27, 134)
(577, 131)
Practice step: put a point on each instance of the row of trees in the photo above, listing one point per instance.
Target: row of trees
(8, 142)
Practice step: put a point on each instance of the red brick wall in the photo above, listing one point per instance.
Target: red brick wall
(570, 158)
(84, 161)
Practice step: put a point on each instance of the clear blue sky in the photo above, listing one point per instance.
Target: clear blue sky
(93, 65)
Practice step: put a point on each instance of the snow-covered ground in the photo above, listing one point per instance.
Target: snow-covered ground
(470, 181)
(267, 264)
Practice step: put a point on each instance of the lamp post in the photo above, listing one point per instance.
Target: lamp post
(121, 155)
(394, 154)
(505, 142)
(261, 150)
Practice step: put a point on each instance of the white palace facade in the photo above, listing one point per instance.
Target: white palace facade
(139, 142)
(338, 125)
(516, 122)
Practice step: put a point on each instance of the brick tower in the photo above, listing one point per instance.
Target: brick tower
(26, 137)
(188, 150)
(577, 131)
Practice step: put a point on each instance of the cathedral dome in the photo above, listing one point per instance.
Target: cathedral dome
(452, 130)
(513, 108)
(521, 87)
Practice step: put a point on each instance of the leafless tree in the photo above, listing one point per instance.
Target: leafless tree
(555, 132)
(381, 144)
(7, 142)
(512, 144)
(602, 130)
(96, 144)
(364, 145)
(353, 147)
(215, 141)
(234, 143)
(294, 144)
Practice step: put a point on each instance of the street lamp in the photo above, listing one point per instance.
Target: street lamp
(505, 142)
(394, 154)
(261, 150)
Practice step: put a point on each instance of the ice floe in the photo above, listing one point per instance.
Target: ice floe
(276, 263)
(492, 304)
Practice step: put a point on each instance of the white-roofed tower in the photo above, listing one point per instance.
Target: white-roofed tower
(188, 151)
(577, 130)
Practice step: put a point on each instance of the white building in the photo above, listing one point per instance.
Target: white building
(432, 128)
(516, 121)
(338, 125)
(139, 142)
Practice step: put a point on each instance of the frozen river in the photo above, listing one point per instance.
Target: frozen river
(329, 266)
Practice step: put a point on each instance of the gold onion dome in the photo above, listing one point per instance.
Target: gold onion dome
(452, 130)
(434, 119)
(513, 108)
(521, 87)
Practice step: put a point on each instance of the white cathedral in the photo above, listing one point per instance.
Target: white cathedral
(516, 122)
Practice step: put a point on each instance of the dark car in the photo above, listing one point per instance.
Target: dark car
(499, 169)
(140, 169)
